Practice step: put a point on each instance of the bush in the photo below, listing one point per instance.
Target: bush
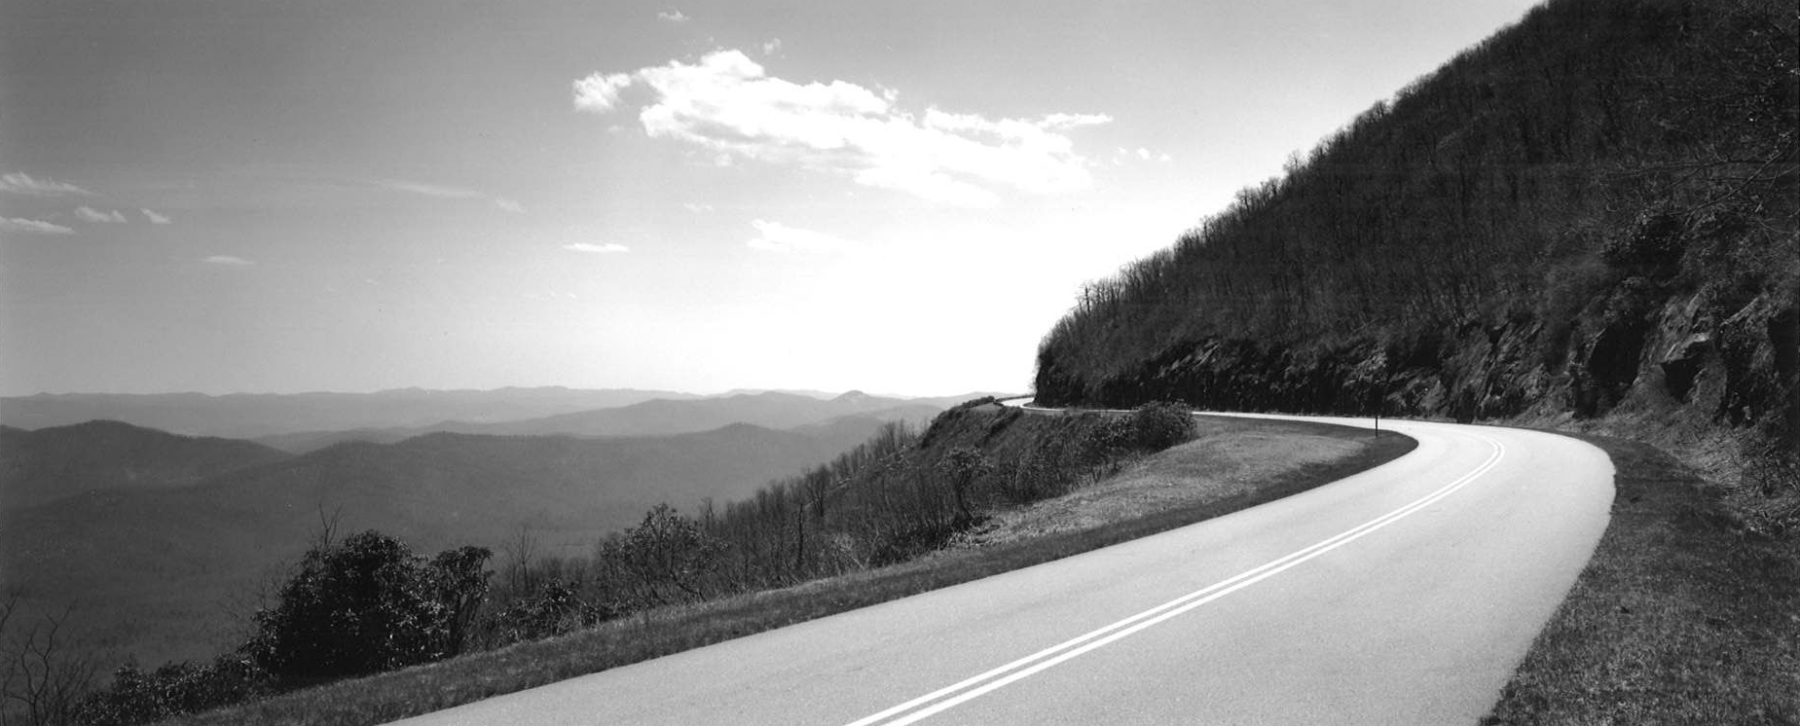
(367, 605)
(1160, 425)
(173, 689)
(554, 608)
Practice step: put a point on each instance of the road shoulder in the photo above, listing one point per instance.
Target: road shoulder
(1679, 617)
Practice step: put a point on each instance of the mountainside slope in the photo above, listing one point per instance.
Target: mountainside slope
(1590, 214)
(53, 463)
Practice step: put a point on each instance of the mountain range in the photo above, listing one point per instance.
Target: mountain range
(163, 540)
(245, 415)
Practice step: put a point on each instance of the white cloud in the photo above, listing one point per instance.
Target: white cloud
(90, 214)
(19, 182)
(605, 249)
(672, 16)
(697, 207)
(778, 237)
(441, 191)
(429, 190)
(599, 93)
(1122, 155)
(31, 226)
(726, 103)
(227, 261)
(769, 47)
(154, 217)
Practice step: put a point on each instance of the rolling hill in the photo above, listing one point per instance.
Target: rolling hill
(63, 461)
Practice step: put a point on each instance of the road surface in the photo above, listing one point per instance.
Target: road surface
(1402, 595)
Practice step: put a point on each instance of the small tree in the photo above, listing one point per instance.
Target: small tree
(662, 559)
(42, 679)
(963, 467)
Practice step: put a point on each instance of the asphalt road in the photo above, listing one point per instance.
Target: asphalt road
(1403, 595)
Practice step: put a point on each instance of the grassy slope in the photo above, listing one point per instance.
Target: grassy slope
(442, 685)
(1679, 618)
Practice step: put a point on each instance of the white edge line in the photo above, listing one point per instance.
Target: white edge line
(1173, 607)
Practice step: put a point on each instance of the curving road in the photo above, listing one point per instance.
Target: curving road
(1402, 595)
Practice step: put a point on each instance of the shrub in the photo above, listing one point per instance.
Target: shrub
(1160, 425)
(173, 689)
(366, 605)
(552, 609)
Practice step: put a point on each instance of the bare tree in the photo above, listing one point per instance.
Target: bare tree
(42, 680)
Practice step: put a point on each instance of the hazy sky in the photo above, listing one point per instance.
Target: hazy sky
(899, 197)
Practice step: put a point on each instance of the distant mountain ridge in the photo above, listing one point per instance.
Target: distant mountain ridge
(306, 421)
(52, 463)
(244, 415)
(664, 416)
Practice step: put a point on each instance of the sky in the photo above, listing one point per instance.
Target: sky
(894, 197)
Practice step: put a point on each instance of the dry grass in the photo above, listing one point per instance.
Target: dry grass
(1226, 460)
(1681, 617)
(1246, 473)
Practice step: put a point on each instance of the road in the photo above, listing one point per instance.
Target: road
(1402, 595)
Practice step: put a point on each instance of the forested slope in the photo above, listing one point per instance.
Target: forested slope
(1592, 213)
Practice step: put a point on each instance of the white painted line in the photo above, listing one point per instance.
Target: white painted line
(976, 686)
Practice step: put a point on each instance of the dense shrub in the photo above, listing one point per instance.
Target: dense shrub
(366, 605)
(1160, 425)
(553, 608)
(174, 688)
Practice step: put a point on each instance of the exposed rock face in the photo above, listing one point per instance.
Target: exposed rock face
(1671, 350)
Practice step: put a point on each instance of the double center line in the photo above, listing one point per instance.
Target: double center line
(974, 687)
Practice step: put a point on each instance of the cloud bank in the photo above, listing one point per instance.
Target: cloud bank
(31, 226)
(19, 182)
(90, 214)
(726, 103)
(778, 237)
(605, 249)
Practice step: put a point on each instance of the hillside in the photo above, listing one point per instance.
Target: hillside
(164, 573)
(64, 461)
(242, 415)
(1590, 215)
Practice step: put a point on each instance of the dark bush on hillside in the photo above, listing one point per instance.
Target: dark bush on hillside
(365, 605)
(175, 688)
(554, 608)
(1158, 426)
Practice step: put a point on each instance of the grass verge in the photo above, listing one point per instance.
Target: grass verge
(442, 685)
(1679, 618)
